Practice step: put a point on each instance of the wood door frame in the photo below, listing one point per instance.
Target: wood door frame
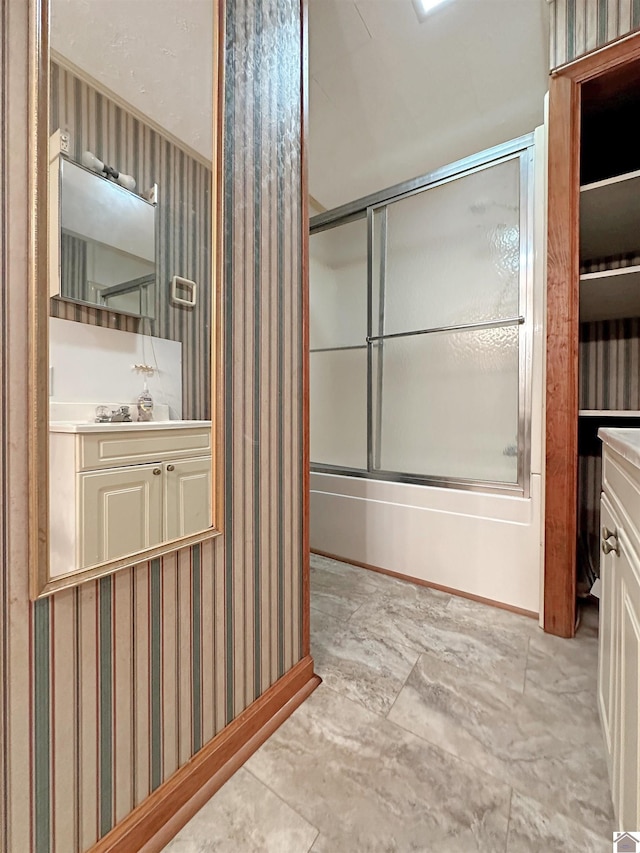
(563, 269)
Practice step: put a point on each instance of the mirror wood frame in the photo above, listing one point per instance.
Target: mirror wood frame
(40, 583)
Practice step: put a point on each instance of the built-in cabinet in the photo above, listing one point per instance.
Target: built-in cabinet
(118, 492)
(609, 393)
(619, 653)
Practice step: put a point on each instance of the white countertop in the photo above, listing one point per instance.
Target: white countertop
(134, 426)
(626, 442)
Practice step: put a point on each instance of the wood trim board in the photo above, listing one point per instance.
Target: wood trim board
(419, 582)
(151, 826)
(41, 582)
(562, 358)
(563, 326)
(306, 446)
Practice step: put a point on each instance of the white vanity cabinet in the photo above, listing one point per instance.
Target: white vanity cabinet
(119, 512)
(619, 652)
(125, 488)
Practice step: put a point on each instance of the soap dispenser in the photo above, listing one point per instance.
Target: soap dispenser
(145, 404)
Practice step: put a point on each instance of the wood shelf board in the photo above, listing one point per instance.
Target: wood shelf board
(610, 295)
(608, 182)
(608, 413)
(609, 274)
(610, 217)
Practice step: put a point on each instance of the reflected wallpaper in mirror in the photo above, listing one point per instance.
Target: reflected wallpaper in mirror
(134, 211)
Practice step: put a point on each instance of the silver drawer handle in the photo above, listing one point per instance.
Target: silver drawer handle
(608, 545)
(157, 471)
(607, 534)
(171, 467)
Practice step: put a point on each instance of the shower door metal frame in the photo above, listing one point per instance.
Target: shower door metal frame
(522, 150)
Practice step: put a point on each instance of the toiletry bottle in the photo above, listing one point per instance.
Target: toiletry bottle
(145, 404)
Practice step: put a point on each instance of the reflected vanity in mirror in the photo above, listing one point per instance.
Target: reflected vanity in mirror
(132, 367)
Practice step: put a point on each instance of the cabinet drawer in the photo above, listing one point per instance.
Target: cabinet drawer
(108, 451)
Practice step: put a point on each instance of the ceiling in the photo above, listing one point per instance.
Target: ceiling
(157, 55)
(392, 98)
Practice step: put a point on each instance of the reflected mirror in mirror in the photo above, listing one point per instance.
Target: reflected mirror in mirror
(131, 454)
(107, 239)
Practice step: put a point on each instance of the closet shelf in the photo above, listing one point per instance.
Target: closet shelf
(610, 294)
(610, 217)
(608, 413)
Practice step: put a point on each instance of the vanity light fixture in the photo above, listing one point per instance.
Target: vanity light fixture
(425, 7)
(90, 161)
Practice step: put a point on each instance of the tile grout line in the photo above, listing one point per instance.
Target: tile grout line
(279, 797)
(383, 638)
(426, 741)
(506, 840)
(325, 613)
(526, 666)
(386, 716)
(520, 790)
(313, 843)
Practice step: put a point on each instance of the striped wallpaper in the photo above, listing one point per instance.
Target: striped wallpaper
(183, 245)
(578, 26)
(609, 379)
(114, 685)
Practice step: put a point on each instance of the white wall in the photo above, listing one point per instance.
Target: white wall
(95, 364)
(483, 544)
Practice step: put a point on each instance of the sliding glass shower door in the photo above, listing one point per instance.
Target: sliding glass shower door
(338, 342)
(419, 335)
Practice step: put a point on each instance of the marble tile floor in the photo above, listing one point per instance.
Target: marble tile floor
(441, 725)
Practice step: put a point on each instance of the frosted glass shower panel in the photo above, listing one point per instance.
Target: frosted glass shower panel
(338, 286)
(338, 416)
(453, 252)
(449, 405)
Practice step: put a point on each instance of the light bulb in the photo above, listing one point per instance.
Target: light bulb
(91, 162)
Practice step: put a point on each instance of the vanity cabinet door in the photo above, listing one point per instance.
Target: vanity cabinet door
(187, 503)
(120, 512)
(626, 760)
(608, 634)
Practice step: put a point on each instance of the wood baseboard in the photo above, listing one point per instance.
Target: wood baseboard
(150, 826)
(490, 601)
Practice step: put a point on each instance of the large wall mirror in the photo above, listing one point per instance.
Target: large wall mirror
(125, 286)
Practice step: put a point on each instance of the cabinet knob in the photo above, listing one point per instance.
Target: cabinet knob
(157, 471)
(171, 467)
(610, 545)
(607, 534)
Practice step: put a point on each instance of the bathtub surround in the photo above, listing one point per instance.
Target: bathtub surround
(477, 541)
(579, 26)
(111, 688)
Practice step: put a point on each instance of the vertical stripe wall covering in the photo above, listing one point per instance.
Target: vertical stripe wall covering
(578, 26)
(110, 687)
